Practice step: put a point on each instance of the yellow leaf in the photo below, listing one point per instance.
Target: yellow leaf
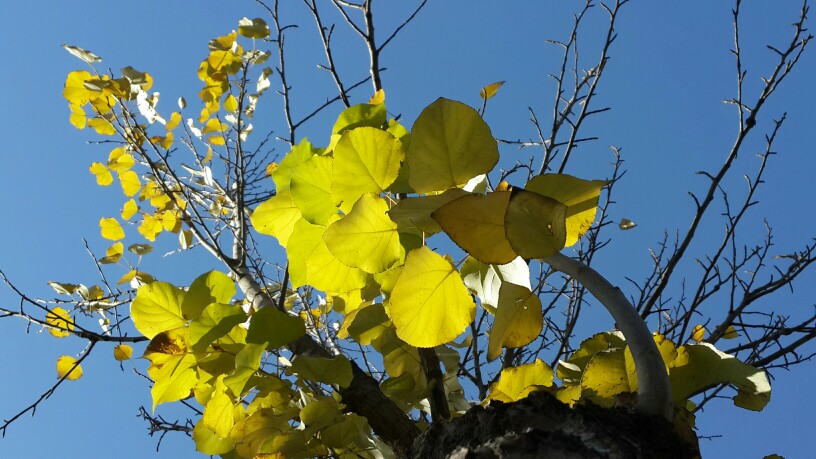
(103, 175)
(231, 104)
(77, 118)
(534, 224)
(580, 197)
(157, 308)
(429, 304)
(378, 97)
(102, 126)
(172, 366)
(68, 368)
(698, 333)
(253, 28)
(503, 186)
(129, 210)
(517, 382)
(450, 144)
(122, 352)
(476, 223)
(730, 333)
(605, 377)
(185, 239)
(130, 182)
(150, 227)
(119, 160)
(111, 229)
(217, 140)
(518, 319)
(173, 122)
(490, 90)
(113, 254)
(58, 317)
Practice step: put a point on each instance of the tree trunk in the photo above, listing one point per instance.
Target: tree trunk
(540, 426)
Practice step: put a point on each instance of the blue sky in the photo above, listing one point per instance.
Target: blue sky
(669, 72)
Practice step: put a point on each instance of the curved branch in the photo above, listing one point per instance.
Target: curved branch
(654, 389)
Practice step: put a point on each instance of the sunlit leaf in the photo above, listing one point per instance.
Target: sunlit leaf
(476, 223)
(535, 224)
(59, 318)
(485, 280)
(580, 197)
(730, 333)
(429, 304)
(113, 254)
(111, 229)
(276, 217)
(360, 115)
(518, 319)
(247, 362)
(210, 287)
(122, 352)
(311, 189)
(119, 160)
(208, 442)
(130, 182)
(68, 368)
(415, 212)
(378, 97)
(129, 209)
(698, 333)
(517, 382)
(365, 238)
(450, 144)
(102, 173)
(605, 377)
(366, 160)
(62, 288)
(172, 366)
(490, 90)
(253, 28)
(101, 125)
(157, 308)
(365, 324)
(215, 321)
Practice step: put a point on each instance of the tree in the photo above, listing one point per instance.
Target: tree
(293, 308)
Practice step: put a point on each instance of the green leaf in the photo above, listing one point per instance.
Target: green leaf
(277, 217)
(247, 362)
(580, 197)
(485, 280)
(476, 223)
(365, 238)
(366, 160)
(210, 287)
(702, 366)
(518, 319)
(299, 154)
(415, 213)
(214, 322)
(336, 370)
(535, 224)
(157, 308)
(311, 189)
(359, 116)
(208, 442)
(517, 382)
(218, 414)
(274, 328)
(429, 304)
(450, 144)
(365, 324)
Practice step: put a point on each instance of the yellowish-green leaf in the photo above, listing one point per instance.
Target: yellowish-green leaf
(311, 262)
(300, 153)
(277, 217)
(261, 432)
(111, 229)
(210, 287)
(535, 224)
(247, 362)
(490, 90)
(113, 254)
(484, 280)
(102, 173)
(208, 442)
(517, 382)
(366, 160)
(518, 319)
(365, 238)
(336, 370)
(172, 366)
(274, 328)
(310, 187)
(701, 366)
(253, 28)
(730, 333)
(580, 197)
(59, 318)
(365, 324)
(429, 304)
(68, 368)
(129, 209)
(157, 308)
(140, 277)
(570, 371)
(360, 115)
(476, 223)
(605, 377)
(450, 144)
(415, 213)
(698, 333)
(215, 321)
(122, 352)
(218, 414)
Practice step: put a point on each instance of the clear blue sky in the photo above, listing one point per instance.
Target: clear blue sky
(669, 72)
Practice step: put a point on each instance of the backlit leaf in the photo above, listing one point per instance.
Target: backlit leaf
(450, 144)
(215, 321)
(68, 368)
(365, 238)
(122, 352)
(247, 362)
(208, 442)
(140, 249)
(580, 197)
(103, 175)
(111, 229)
(485, 280)
(366, 160)
(210, 287)
(535, 224)
(336, 370)
(360, 115)
(730, 333)
(518, 319)
(378, 97)
(157, 308)
(698, 333)
(101, 125)
(517, 382)
(605, 376)
(253, 28)
(113, 254)
(311, 189)
(172, 366)
(490, 90)
(59, 317)
(429, 304)
(476, 223)
(276, 217)
(415, 212)
(129, 209)
(130, 182)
